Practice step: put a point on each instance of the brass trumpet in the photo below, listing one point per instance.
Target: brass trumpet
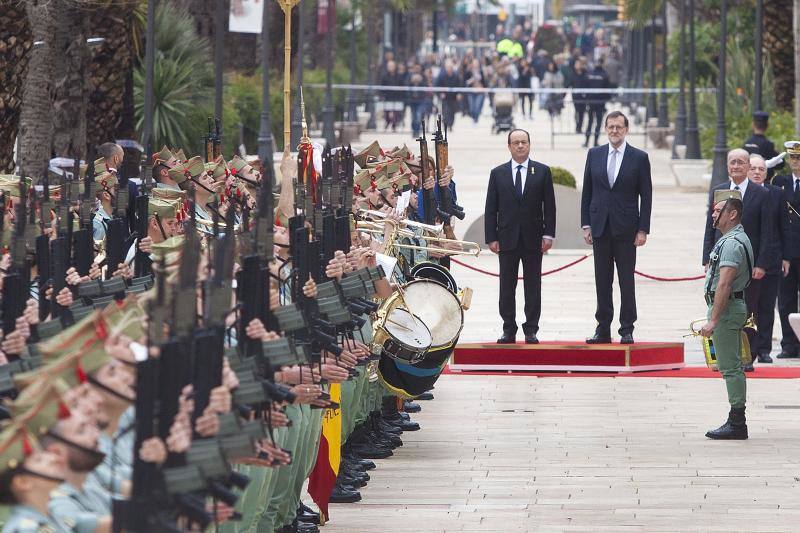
(467, 247)
(438, 228)
(708, 345)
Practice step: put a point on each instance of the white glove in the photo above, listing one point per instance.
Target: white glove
(775, 161)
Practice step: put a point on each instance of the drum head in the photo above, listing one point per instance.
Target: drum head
(408, 330)
(438, 308)
(435, 272)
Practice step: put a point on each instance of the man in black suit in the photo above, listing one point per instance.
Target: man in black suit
(615, 215)
(765, 316)
(520, 225)
(790, 229)
(757, 223)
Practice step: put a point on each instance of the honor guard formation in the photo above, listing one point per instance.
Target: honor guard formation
(187, 341)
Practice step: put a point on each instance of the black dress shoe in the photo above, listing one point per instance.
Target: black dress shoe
(425, 396)
(307, 514)
(787, 355)
(734, 429)
(599, 339)
(531, 339)
(405, 425)
(304, 527)
(507, 339)
(344, 495)
(370, 451)
(626, 339)
(748, 367)
(764, 358)
(411, 407)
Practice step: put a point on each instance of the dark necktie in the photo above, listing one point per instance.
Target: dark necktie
(518, 182)
(796, 186)
(736, 188)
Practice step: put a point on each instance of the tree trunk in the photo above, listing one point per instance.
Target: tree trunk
(70, 88)
(779, 44)
(15, 45)
(110, 112)
(796, 20)
(36, 125)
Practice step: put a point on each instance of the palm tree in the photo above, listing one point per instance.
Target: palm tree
(779, 44)
(15, 43)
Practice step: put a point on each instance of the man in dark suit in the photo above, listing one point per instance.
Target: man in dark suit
(757, 223)
(790, 229)
(615, 215)
(520, 225)
(765, 315)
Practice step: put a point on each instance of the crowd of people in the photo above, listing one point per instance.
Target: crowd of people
(182, 350)
(587, 61)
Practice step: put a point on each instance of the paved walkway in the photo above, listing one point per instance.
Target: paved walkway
(586, 454)
(509, 453)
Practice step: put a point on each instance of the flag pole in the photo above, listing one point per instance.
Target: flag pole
(286, 6)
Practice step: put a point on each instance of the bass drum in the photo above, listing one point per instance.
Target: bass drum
(435, 272)
(441, 311)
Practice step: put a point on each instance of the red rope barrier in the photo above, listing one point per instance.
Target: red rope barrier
(573, 263)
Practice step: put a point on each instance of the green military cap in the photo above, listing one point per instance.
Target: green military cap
(238, 164)
(9, 184)
(219, 170)
(192, 168)
(168, 253)
(16, 445)
(363, 180)
(400, 153)
(173, 195)
(164, 208)
(164, 156)
(370, 153)
(67, 368)
(792, 147)
(180, 156)
(41, 405)
(727, 194)
(70, 339)
(107, 181)
(388, 167)
(397, 183)
(126, 318)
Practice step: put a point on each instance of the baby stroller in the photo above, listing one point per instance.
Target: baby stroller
(503, 108)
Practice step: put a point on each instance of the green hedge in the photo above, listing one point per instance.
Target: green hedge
(562, 176)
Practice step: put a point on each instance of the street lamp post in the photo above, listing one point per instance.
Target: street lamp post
(719, 172)
(327, 127)
(297, 127)
(759, 42)
(219, 48)
(149, 65)
(680, 114)
(266, 144)
(692, 133)
(663, 104)
(352, 113)
(652, 102)
(372, 67)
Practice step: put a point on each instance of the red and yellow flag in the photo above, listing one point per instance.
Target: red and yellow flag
(323, 477)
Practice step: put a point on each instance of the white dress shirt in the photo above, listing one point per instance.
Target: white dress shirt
(620, 155)
(523, 171)
(524, 174)
(742, 186)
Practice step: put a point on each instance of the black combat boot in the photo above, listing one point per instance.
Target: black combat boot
(734, 429)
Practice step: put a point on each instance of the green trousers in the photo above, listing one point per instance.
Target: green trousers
(280, 480)
(727, 347)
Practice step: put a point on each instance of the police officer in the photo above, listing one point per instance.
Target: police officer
(728, 274)
(758, 143)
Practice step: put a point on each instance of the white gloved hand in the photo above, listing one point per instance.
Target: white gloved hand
(775, 161)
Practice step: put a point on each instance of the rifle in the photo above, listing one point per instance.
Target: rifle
(117, 228)
(83, 240)
(447, 207)
(43, 249)
(16, 281)
(428, 195)
(143, 262)
(208, 141)
(60, 251)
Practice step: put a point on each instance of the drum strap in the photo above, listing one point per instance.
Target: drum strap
(715, 265)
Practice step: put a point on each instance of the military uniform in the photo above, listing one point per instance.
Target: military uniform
(25, 519)
(80, 509)
(731, 250)
(758, 143)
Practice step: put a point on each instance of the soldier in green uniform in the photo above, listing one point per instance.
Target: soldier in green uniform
(27, 476)
(729, 272)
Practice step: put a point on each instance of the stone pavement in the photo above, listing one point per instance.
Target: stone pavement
(503, 453)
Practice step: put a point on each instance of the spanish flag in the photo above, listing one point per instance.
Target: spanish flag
(323, 477)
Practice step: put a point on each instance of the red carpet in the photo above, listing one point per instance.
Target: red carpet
(761, 372)
(568, 356)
